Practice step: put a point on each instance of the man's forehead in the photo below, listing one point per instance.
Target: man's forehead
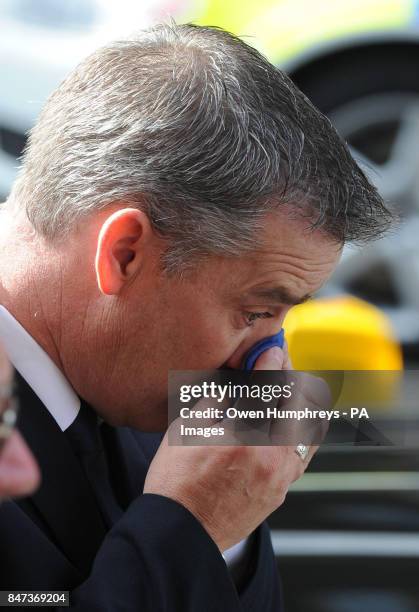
(288, 266)
(277, 294)
(283, 232)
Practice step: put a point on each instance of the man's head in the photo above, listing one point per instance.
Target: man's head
(171, 180)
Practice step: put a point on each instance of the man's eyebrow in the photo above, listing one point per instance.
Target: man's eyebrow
(279, 295)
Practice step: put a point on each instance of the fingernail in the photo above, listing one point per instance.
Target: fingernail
(277, 354)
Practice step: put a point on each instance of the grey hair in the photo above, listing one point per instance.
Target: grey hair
(198, 129)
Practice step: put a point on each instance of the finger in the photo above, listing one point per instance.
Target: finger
(272, 359)
(287, 365)
(316, 390)
(310, 394)
(300, 464)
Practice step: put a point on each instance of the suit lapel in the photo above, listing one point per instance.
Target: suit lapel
(64, 500)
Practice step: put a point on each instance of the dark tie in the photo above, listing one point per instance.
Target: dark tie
(86, 440)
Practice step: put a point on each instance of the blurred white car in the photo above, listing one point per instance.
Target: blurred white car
(40, 41)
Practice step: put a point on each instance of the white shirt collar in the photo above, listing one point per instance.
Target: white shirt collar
(39, 371)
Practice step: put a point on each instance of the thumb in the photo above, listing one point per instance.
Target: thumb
(272, 359)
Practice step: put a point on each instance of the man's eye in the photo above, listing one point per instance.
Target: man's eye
(252, 316)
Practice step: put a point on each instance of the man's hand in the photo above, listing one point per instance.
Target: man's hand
(229, 489)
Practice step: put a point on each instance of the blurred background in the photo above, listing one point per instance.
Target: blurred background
(347, 538)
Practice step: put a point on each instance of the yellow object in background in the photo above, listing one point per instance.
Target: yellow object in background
(285, 29)
(343, 333)
(346, 333)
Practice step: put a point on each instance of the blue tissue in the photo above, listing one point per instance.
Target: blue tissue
(262, 346)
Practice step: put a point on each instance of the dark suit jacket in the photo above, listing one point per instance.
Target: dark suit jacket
(156, 557)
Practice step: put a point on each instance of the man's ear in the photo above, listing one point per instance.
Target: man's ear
(120, 249)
